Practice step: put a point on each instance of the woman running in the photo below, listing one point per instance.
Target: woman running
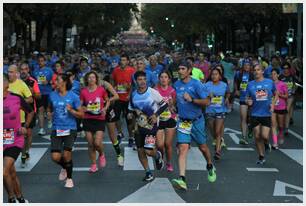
(219, 99)
(280, 109)
(291, 81)
(93, 98)
(66, 107)
(13, 140)
(167, 122)
(241, 83)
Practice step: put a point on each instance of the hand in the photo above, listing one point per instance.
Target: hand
(277, 94)
(249, 101)
(84, 109)
(103, 112)
(130, 116)
(187, 97)
(22, 131)
(237, 93)
(69, 107)
(152, 119)
(227, 103)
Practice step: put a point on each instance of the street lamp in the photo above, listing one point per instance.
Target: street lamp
(167, 18)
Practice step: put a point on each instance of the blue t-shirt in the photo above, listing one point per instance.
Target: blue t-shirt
(147, 102)
(113, 61)
(261, 93)
(62, 119)
(150, 77)
(76, 88)
(41, 74)
(218, 93)
(156, 71)
(189, 110)
(243, 85)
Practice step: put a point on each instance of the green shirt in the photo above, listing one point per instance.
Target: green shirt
(197, 74)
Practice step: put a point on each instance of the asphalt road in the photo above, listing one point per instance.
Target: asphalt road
(239, 179)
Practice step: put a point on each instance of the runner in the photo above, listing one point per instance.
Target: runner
(34, 88)
(196, 72)
(93, 98)
(241, 82)
(111, 119)
(259, 96)
(65, 107)
(13, 140)
(43, 76)
(167, 121)
(190, 99)
(216, 111)
(291, 81)
(154, 67)
(58, 70)
(18, 86)
(204, 65)
(173, 67)
(83, 70)
(122, 79)
(150, 77)
(280, 109)
(147, 105)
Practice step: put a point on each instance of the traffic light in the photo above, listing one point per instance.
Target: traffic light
(290, 35)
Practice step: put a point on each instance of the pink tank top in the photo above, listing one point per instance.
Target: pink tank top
(281, 103)
(168, 95)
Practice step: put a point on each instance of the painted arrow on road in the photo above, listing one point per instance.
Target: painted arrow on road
(280, 190)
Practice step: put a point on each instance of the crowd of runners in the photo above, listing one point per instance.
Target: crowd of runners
(164, 97)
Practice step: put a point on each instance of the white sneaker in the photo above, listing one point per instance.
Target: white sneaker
(62, 175)
(69, 183)
(120, 160)
(42, 131)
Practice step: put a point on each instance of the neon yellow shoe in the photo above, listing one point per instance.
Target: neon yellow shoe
(179, 184)
(212, 176)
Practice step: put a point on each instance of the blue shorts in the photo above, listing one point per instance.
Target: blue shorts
(198, 133)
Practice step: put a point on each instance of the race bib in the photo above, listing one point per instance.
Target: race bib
(261, 95)
(185, 127)
(165, 116)
(243, 86)
(8, 136)
(290, 87)
(150, 142)
(94, 108)
(121, 89)
(62, 133)
(41, 79)
(216, 101)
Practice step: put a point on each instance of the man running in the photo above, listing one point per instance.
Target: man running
(260, 92)
(190, 99)
(147, 105)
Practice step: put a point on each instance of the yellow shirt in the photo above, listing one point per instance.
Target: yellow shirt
(20, 88)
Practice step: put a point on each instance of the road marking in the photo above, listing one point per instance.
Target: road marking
(131, 161)
(234, 137)
(240, 149)
(77, 143)
(295, 134)
(195, 159)
(257, 169)
(280, 190)
(81, 169)
(35, 155)
(295, 154)
(47, 137)
(230, 130)
(159, 190)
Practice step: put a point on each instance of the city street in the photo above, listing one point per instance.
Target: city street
(239, 179)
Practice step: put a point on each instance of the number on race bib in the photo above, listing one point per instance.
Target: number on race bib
(62, 133)
(185, 127)
(8, 136)
(150, 142)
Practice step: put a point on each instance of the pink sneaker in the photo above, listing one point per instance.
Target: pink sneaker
(93, 168)
(102, 161)
(169, 167)
(63, 175)
(69, 183)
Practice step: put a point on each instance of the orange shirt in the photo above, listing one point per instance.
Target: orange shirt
(122, 77)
